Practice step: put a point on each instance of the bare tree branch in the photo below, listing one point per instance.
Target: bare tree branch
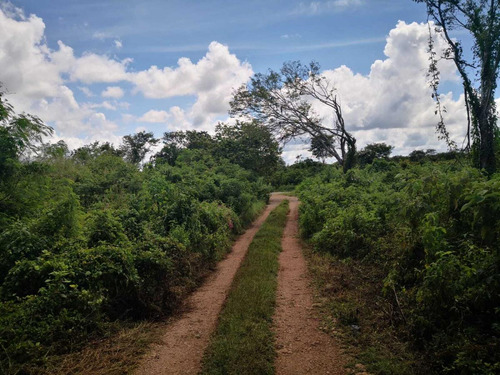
(283, 101)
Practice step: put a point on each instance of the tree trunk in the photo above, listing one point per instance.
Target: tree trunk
(350, 156)
(485, 120)
(487, 145)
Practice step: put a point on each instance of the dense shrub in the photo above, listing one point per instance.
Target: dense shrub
(287, 177)
(433, 228)
(89, 239)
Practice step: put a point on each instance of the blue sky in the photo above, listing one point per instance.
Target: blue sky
(265, 33)
(97, 70)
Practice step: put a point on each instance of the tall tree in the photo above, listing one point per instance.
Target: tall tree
(54, 150)
(190, 139)
(283, 102)
(20, 135)
(250, 145)
(480, 18)
(136, 146)
(93, 150)
(174, 142)
(374, 151)
(26, 131)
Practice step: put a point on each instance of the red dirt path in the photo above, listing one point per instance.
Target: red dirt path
(302, 347)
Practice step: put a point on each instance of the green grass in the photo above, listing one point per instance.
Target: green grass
(244, 342)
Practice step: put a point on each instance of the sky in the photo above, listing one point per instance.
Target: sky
(99, 70)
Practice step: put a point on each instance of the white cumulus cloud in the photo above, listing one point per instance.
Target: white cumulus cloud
(393, 102)
(86, 91)
(212, 80)
(113, 92)
(105, 104)
(155, 116)
(33, 75)
(92, 68)
(39, 79)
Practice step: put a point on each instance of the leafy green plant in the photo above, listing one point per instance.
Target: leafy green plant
(433, 230)
(89, 241)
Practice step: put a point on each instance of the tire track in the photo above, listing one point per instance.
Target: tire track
(302, 347)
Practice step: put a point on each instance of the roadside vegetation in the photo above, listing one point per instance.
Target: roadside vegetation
(406, 256)
(96, 236)
(243, 342)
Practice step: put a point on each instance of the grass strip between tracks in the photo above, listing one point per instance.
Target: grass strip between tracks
(244, 342)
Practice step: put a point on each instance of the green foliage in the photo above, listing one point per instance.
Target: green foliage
(283, 102)
(89, 152)
(250, 145)
(106, 178)
(350, 233)
(374, 151)
(61, 217)
(247, 144)
(103, 227)
(20, 135)
(136, 146)
(25, 131)
(433, 230)
(53, 151)
(480, 19)
(175, 142)
(163, 266)
(87, 238)
(287, 177)
(8, 153)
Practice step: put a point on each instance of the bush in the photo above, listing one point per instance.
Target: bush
(89, 240)
(102, 227)
(434, 231)
(350, 233)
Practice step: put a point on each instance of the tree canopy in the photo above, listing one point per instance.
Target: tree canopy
(374, 151)
(250, 145)
(25, 131)
(247, 144)
(136, 146)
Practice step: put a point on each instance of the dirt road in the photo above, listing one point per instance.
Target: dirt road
(186, 338)
(302, 347)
